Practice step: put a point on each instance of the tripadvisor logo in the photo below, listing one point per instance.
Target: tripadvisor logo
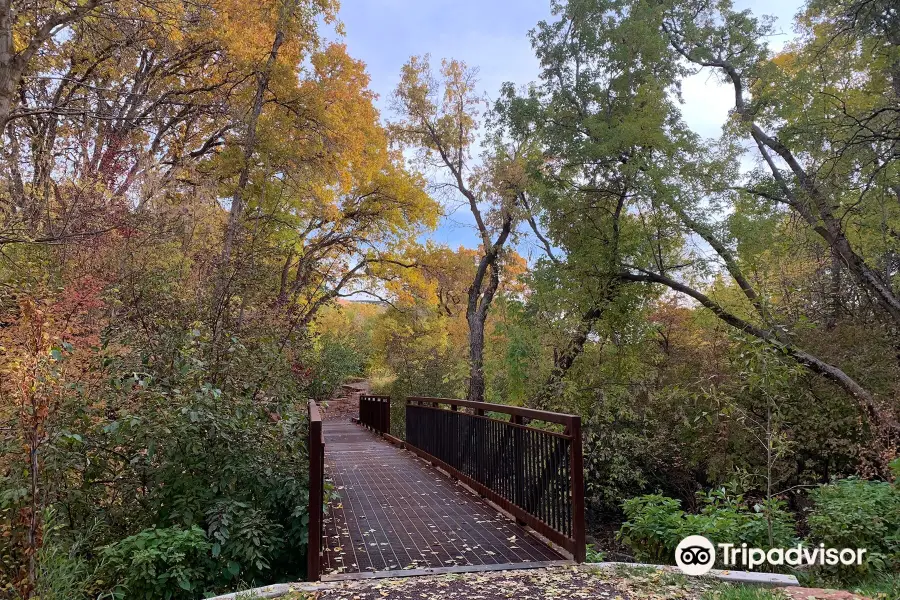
(695, 555)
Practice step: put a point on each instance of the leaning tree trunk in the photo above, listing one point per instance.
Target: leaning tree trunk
(564, 360)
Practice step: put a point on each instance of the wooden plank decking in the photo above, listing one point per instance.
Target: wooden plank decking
(396, 512)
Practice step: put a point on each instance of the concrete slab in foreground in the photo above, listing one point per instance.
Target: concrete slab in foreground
(736, 577)
(596, 580)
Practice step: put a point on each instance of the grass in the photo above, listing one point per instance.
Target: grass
(663, 577)
(660, 584)
(593, 555)
(877, 587)
(741, 592)
(886, 588)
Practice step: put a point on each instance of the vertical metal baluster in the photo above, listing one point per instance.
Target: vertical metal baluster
(542, 484)
(497, 457)
(557, 499)
(558, 473)
(534, 456)
(489, 453)
(503, 466)
(452, 424)
(568, 494)
(479, 437)
(510, 462)
(469, 440)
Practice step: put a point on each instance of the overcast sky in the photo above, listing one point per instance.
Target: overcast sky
(492, 35)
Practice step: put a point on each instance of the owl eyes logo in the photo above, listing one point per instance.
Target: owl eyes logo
(695, 555)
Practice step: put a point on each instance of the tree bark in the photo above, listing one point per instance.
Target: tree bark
(237, 199)
(220, 295)
(476, 357)
(10, 64)
(563, 361)
(477, 309)
(14, 63)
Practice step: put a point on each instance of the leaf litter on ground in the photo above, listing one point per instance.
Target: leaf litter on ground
(564, 583)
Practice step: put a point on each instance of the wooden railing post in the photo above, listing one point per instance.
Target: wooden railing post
(316, 493)
(406, 420)
(577, 461)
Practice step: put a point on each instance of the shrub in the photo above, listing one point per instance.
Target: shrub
(653, 528)
(593, 555)
(158, 564)
(63, 572)
(853, 513)
(187, 452)
(656, 524)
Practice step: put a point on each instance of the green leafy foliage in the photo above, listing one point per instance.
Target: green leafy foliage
(656, 524)
(335, 361)
(719, 312)
(210, 483)
(741, 592)
(169, 563)
(593, 554)
(854, 513)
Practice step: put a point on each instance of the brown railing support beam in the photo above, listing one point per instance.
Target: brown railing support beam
(578, 521)
(316, 445)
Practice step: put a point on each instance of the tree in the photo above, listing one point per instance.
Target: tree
(440, 119)
(130, 130)
(26, 28)
(826, 161)
(607, 107)
(285, 21)
(143, 96)
(602, 136)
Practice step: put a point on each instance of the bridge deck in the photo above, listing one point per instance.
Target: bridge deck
(396, 512)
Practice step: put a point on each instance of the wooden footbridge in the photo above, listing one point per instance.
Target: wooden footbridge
(473, 486)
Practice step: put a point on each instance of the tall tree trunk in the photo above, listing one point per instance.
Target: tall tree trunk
(476, 356)
(13, 63)
(220, 295)
(834, 310)
(807, 199)
(10, 67)
(283, 283)
(237, 199)
(883, 422)
(34, 520)
(478, 306)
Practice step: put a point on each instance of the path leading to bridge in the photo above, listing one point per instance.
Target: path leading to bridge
(396, 512)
